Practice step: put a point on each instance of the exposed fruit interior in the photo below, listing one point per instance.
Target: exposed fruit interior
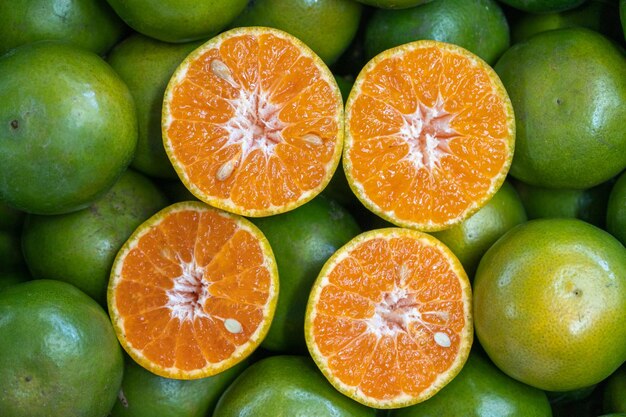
(389, 318)
(193, 291)
(254, 122)
(430, 134)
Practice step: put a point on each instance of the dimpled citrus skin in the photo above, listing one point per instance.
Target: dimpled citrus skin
(567, 87)
(325, 26)
(302, 240)
(90, 24)
(482, 390)
(146, 66)
(589, 205)
(178, 20)
(68, 127)
(286, 386)
(144, 394)
(550, 304)
(599, 15)
(79, 247)
(543, 6)
(470, 239)
(477, 25)
(59, 356)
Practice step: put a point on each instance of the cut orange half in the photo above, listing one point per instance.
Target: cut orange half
(193, 291)
(388, 320)
(253, 122)
(430, 134)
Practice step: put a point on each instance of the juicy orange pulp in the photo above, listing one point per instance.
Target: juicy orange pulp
(253, 122)
(430, 135)
(388, 321)
(193, 291)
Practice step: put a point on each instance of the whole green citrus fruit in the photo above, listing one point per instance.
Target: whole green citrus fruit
(60, 356)
(482, 390)
(599, 15)
(146, 66)
(477, 25)
(302, 240)
(568, 87)
(550, 304)
(67, 127)
(326, 26)
(589, 205)
(89, 24)
(286, 386)
(470, 239)
(144, 394)
(614, 398)
(616, 210)
(543, 6)
(178, 20)
(80, 247)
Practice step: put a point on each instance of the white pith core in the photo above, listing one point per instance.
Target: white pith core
(187, 297)
(255, 124)
(397, 311)
(427, 131)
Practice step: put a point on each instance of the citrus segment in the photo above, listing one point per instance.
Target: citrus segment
(253, 122)
(193, 291)
(388, 319)
(429, 135)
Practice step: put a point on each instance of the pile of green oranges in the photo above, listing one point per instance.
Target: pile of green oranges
(82, 166)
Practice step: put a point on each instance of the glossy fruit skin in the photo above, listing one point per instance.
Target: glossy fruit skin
(470, 239)
(80, 247)
(561, 283)
(326, 26)
(616, 210)
(67, 127)
(60, 356)
(477, 25)
(286, 386)
(89, 24)
(543, 6)
(146, 65)
(302, 240)
(482, 390)
(567, 87)
(178, 20)
(598, 15)
(589, 205)
(144, 394)
(614, 398)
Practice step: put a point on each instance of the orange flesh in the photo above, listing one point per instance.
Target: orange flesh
(429, 135)
(378, 316)
(242, 133)
(159, 298)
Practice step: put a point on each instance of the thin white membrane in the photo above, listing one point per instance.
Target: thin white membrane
(428, 132)
(398, 311)
(188, 295)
